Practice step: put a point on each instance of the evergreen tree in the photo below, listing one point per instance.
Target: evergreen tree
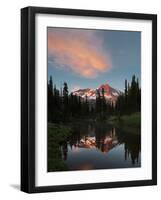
(98, 101)
(103, 106)
(65, 101)
(138, 96)
(130, 101)
(50, 99)
(126, 96)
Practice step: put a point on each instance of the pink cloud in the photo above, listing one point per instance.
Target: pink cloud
(78, 51)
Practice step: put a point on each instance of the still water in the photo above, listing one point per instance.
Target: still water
(102, 146)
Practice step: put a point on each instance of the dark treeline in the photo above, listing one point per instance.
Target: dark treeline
(130, 101)
(63, 107)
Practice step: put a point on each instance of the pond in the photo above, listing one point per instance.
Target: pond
(101, 146)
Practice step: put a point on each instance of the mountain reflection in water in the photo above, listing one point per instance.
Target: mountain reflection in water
(100, 146)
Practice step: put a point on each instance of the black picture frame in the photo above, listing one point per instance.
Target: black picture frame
(28, 98)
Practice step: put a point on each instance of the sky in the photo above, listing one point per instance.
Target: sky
(87, 58)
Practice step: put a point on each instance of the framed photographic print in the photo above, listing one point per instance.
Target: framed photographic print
(88, 99)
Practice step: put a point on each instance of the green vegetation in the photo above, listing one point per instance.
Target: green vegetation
(56, 134)
(131, 120)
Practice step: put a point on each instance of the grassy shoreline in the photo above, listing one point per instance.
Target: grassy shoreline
(57, 133)
(132, 120)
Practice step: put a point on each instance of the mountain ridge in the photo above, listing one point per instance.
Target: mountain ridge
(110, 93)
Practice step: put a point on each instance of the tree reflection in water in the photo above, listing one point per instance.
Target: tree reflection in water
(103, 138)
